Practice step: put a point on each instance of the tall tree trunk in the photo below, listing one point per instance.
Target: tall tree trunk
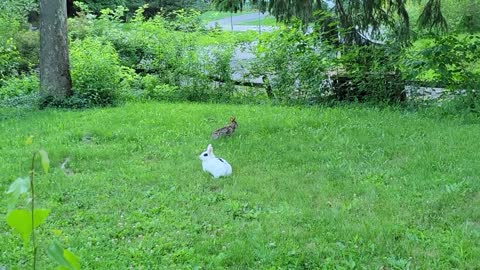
(55, 80)
(70, 9)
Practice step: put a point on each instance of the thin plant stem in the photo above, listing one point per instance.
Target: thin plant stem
(32, 170)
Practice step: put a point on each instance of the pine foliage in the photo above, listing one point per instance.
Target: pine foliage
(361, 21)
(233, 6)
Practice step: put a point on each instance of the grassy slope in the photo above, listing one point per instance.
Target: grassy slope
(337, 187)
(217, 15)
(268, 21)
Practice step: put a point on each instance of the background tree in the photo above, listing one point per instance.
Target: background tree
(55, 79)
(232, 6)
(154, 6)
(360, 21)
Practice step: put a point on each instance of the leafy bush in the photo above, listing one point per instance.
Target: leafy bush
(28, 46)
(9, 60)
(9, 26)
(174, 52)
(448, 61)
(150, 10)
(138, 41)
(217, 66)
(295, 65)
(18, 9)
(81, 26)
(195, 69)
(9, 55)
(97, 5)
(177, 59)
(96, 73)
(186, 21)
(19, 86)
(370, 73)
(154, 89)
(19, 47)
(301, 68)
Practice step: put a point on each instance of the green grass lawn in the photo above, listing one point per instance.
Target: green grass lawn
(312, 188)
(267, 21)
(217, 15)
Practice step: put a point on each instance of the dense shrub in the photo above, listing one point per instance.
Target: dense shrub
(300, 68)
(18, 9)
(9, 55)
(183, 60)
(186, 21)
(97, 74)
(19, 86)
(295, 64)
(81, 26)
(370, 73)
(154, 89)
(28, 46)
(9, 60)
(9, 26)
(19, 46)
(218, 66)
(97, 5)
(153, 7)
(450, 62)
(176, 58)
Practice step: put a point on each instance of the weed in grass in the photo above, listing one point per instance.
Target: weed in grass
(24, 217)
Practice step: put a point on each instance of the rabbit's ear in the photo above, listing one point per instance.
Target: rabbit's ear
(209, 149)
(232, 118)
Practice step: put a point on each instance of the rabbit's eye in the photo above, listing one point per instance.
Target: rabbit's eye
(205, 154)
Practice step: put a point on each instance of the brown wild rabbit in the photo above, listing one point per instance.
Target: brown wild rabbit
(226, 130)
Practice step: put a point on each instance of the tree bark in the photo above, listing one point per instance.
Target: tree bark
(55, 79)
(70, 9)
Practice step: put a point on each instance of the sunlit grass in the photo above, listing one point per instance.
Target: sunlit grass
(217, 15)
(267, 21)
(346, 187)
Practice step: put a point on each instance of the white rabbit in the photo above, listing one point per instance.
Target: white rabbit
(215, 166)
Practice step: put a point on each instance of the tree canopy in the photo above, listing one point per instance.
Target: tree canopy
(233, 6)
(359, 20)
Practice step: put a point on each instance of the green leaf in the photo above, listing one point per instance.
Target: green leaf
(21, 221)
(63, 257)
(72, 259)
(45, 160)
(19, 187)
(56, 252)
